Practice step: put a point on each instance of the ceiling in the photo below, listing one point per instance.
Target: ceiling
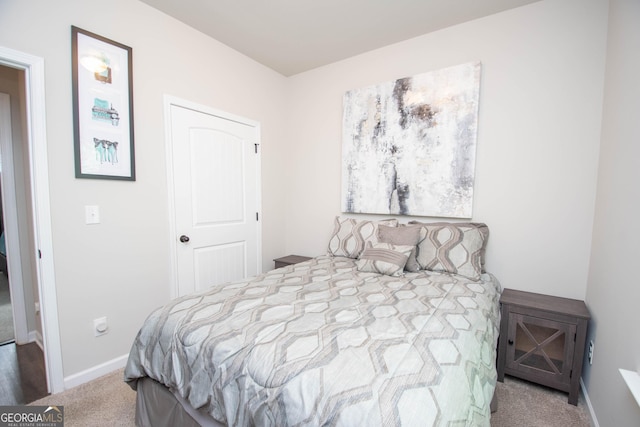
(292, 36)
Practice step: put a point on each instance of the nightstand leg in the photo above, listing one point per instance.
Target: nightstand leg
(573, 397)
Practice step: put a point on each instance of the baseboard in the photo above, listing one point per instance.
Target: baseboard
(592, 414)
(95, 372)
(36, 336)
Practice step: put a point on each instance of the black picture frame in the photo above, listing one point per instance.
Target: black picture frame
(102, 77)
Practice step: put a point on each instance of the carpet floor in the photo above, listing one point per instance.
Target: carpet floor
(108, 401)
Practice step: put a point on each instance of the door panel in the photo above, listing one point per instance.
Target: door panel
(215, 168)
(220, 263)
(540, 348)
(217, 162)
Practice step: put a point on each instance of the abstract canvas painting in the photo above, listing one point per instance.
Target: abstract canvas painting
(409, 145)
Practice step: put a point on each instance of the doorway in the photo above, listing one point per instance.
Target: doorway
(22, 371)
(7, 329)
(15, 208)
(40, 251)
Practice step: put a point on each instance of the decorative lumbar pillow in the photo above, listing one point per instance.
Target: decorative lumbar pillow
(350, 235)
(407, 235)
(452, 248)
(384, 258)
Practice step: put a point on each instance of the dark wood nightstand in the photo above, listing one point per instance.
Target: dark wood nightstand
(542, 340)
(290, 259)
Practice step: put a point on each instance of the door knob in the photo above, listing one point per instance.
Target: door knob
(184, 239)
(510, 341)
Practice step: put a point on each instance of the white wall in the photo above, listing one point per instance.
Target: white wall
(120, 268)
(538, 138)
(613, 292)
(536, 173)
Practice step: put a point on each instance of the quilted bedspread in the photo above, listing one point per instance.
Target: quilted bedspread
(320, 343)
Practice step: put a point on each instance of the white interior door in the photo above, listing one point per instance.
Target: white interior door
(216, 197)
(10, 208)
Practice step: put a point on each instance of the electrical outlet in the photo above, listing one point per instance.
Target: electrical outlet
(590, 354)
(100, 326)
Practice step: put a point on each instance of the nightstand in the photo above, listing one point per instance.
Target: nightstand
(290, 259)
(542, 340)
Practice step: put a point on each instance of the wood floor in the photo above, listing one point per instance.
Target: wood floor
(22, 374)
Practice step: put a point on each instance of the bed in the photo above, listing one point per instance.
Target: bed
(395, 325)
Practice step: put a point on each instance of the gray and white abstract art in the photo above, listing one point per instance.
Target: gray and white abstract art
(409, 145)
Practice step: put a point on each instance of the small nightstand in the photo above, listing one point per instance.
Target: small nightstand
(542, 340)
(290, 259)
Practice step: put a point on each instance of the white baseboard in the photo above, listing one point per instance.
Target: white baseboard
(592, 414)
(95, 372)
(36, 336)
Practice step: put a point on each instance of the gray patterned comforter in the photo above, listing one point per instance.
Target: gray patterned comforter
(319, 343)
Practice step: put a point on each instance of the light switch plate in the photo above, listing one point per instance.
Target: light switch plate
(92, 214)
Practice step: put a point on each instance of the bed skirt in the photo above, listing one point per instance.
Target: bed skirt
(157, 406)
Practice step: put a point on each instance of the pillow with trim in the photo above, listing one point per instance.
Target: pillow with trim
(456, 248)
(408, 235)
(350, 235)
(384, 258)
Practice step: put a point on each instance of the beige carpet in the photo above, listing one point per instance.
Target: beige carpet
(523, 404)
(6, 313)
(108, 401)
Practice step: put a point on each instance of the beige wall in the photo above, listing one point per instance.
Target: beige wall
(613, 291)
(120, 268)
(538, 139)
(536, 172)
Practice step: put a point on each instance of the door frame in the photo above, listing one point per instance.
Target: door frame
(33, 68)
(170, 101)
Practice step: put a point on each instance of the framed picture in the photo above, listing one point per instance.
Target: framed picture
(409, 145)
(102, 107)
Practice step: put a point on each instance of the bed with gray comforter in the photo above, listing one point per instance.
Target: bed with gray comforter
(323, 343)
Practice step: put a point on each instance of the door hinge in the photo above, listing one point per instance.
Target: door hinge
(256, 146)
(575, 337)
(570, 373)
(257, 217)
(39, 254)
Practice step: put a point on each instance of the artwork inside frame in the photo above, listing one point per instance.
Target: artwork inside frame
(409, 145)
(102, 107)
